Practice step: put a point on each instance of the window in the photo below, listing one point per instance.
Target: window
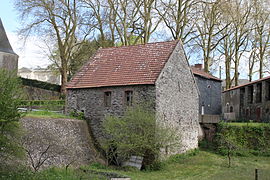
(250, 94)
(259, 93)
(129, 98)
(231, 109)
(107, 98)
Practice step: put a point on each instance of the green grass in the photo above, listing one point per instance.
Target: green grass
(248, 124)
(205, 166)
(201, 165)
(46, 114)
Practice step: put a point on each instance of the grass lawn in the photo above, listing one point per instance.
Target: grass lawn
(201, 165)
(248, 124)
(206, 166)
(46, 114)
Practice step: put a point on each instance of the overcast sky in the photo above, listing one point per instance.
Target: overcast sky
(30, 54)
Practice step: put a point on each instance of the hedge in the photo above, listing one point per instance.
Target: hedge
(40, 84)
(251, 139)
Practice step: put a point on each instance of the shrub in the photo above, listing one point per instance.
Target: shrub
(136, 133)
(10, 96)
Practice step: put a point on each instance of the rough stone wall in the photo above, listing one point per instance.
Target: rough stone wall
(91, 102)
(210, 95)
(33, 93)
(177, 99)
(257, 111)
(231, 99)
(9, 61)
(59, 142)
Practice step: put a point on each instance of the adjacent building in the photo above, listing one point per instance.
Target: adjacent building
(40, 74)
(210, 91)
(8, 58)
(250, 101)
(118, 77)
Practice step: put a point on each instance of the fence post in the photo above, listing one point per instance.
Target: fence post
(256, 174)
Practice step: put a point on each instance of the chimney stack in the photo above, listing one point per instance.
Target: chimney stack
(199, 66)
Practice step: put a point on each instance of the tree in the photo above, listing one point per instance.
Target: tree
(136, 133)
(60, 21)
(261, 34)
(10, 96)
(81, 55)
(209, 35)
(179, 16)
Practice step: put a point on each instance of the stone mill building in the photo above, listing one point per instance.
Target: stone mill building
(118, 77)
(8, 58)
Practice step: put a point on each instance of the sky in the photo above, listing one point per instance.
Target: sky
(30, 53)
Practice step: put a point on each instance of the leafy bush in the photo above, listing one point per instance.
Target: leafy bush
(10, 96)
(136, 133)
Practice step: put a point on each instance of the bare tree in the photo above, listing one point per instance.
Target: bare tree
(261, 33)
(208, 31)
(57, 20)
(179, 16)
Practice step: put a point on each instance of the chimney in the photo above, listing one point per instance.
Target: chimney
(199, 66)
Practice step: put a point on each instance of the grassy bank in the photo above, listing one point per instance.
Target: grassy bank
(201, 165)
(46, 114)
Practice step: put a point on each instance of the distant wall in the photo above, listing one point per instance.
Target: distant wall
(33, 93)
(38, 90)
(62, 142)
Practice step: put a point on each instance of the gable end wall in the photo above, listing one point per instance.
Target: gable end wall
(177, 99)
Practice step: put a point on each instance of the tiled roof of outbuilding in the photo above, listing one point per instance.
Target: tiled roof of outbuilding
(201, 73)
(127, 65)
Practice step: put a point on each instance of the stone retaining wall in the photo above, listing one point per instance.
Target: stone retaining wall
(58, 142)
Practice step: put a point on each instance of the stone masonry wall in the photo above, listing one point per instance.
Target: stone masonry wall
(91, 102)
(33, 93)
(59, 142)
(9, 61)
(210, 95)
(177, 102)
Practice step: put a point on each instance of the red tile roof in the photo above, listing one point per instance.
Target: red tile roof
(247, 84)
(127, 65)
(200, 72)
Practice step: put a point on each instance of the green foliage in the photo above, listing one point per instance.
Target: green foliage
(77, 115)
(52, 105)
(46, 114)
(136, 133)
(40, 84)
(249, 138)
(49, 174)
(10, 97)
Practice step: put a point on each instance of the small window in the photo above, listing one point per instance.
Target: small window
(107, 98)
(231, 109)
(129, 98)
